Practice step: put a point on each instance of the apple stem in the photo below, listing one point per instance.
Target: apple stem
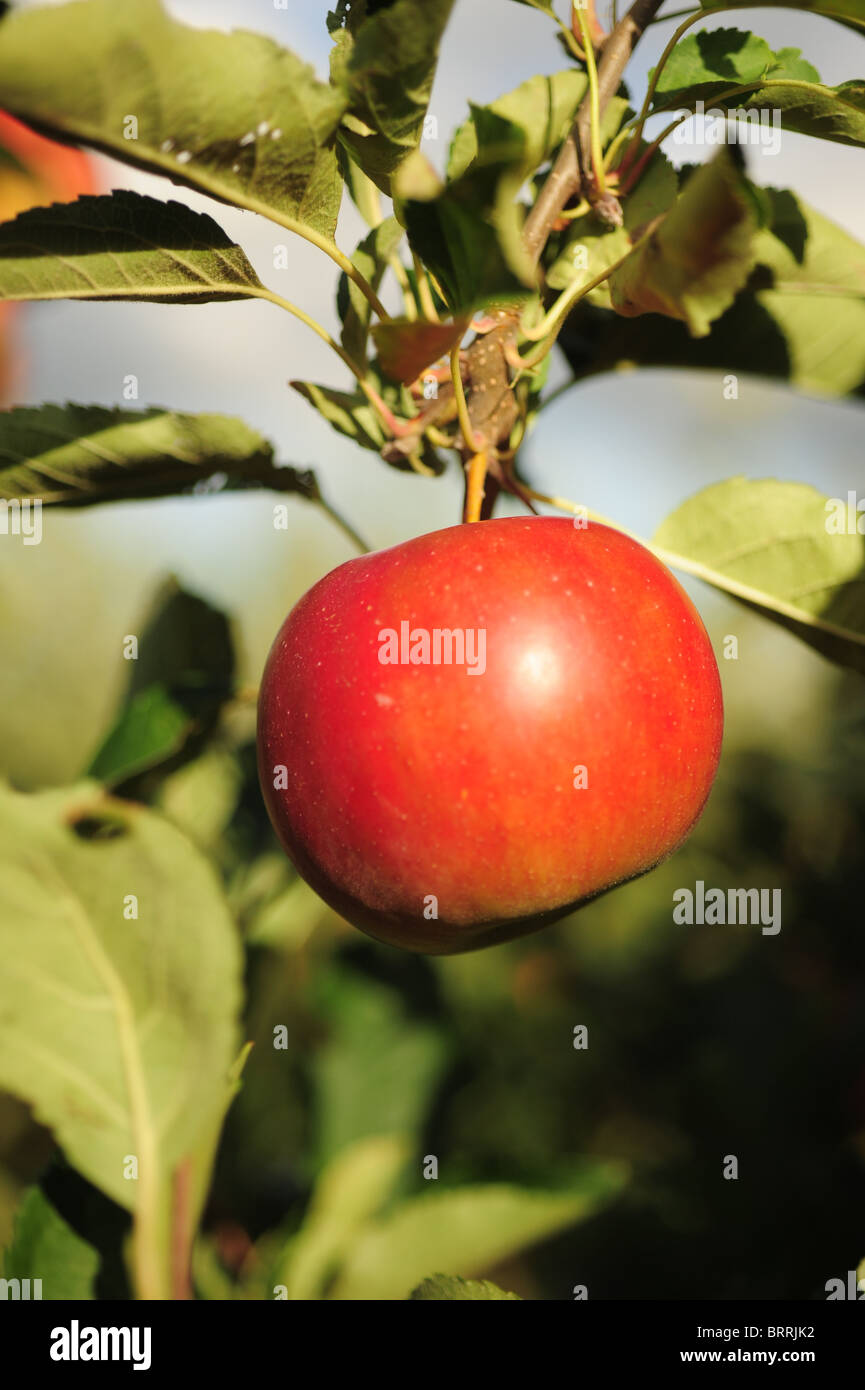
(476, 478)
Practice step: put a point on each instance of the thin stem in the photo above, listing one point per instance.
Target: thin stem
(368, 200)
(676, 14)
(346, 265)
(570, 41)
(428, 308)
(571, 214)
(401, 275)
(345, 526)
(417, 464)
(649, 152)
(536, 356)
(326, 337)
(616, 144)
(594, 99)
(468, 434)
(653, 81)
(316, 327)
(438, 438)
(634, 127)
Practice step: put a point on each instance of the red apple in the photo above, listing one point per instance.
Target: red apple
(441, 807)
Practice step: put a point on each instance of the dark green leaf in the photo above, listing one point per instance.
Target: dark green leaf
(122, 246)
(182, 677)
(77, 455)
(152, 728)
(469, 232)
(186, 647)
(232, 115)
(385, 63)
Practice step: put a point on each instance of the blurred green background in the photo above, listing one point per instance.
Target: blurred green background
(702, 1041)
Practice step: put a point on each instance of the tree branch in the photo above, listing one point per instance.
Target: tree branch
(565, 179)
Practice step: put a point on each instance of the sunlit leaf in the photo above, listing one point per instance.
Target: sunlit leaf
(121, 246)
(232, 115)
(785, 550)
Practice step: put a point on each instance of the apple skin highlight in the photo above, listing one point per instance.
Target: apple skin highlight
(501, 798)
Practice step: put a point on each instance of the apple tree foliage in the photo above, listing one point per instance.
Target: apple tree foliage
(557, 226)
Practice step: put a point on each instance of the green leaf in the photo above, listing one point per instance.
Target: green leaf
(180, 681)
(713, 56)
(120, 1031)
(349, 413)
(371, 258)
(152, 729)
(232, 115)
(385, 63)
(587, 251)
(814, 289)
(44, 1247)
(654, 194)
(79, 455)
(789, 65)
(831, 113)
(186, 647)
(705, 65)
(777, 547)
(450, 1288)
(469, 231)
(122, 246)
(696, 261)
(201, 797)
(406, 348)
(379, 1068)
(470, 1229)
(352, 1188)
(544, 108)
(801, 318)
(803, 106)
